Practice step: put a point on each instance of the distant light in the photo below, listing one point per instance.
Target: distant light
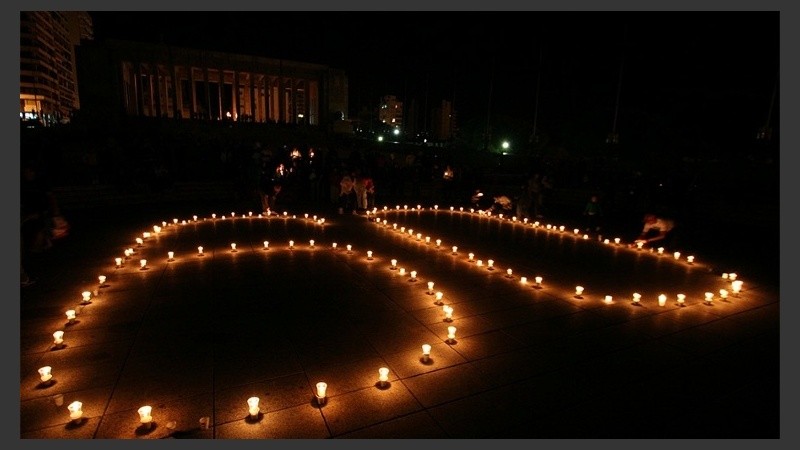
(380, 138)
(505, 144)
(396, 131)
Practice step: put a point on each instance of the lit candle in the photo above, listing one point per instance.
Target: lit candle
(639, 245)
(266, 245)
(75, 411)
(349, 248)
(291, 244)
(523, 280)
(561, 228)
(724, 276)
(677, 255)
(311, 243)
(501, 215)
(184, 222)
(394, 225)
(101, 279)
(636, 298)
(662, 300)
(723, 294)
(732, 276)
(413, 275)
(194, 218)
(410, 232)
(44, 374)
(616, 241)
(576, 231)
(118, 262)
(305, 215)
(252, 407)
(213, 216)
(690, 259)
(250, 214)
(87, 296)
(736, 286)
(419, 236)
(439, 296)
(660, 250)
(578, 291)
(538, 281)
(430, 287)
(146, 234)
(451, 333)
(426, 352)
(144, 415)
(448, 313)
(322, 389)
(233, 247)
(490, 264)
(394, 264)
(402, 229)
(71, 315)
(402, 271)
(369, 254)
(709, 297)
(681, 299)
(471, 256)
(427, 239)
(58, 337)
(438, 242)
(509, 273)
(455, 249)
(157, 228)
(585, 236)
(606, 241)
(200, 250)
(479, 263)
(143, 263)
(608, 299)
(334, 245)
(383, 375)
(525, 220)
(139, 241)
(170, 255)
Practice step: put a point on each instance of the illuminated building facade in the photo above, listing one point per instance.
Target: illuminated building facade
(158, 80)
(391, 111)
(48, 87)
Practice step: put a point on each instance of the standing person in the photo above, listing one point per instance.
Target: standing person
(536, 194)
(369, 185)
(360, 188)
(347, 195)
(593, 214)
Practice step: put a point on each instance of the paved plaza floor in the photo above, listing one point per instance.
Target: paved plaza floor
(196, 336)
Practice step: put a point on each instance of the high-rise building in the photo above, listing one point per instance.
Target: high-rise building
(48, 85)
(443, 124)
(391, 112)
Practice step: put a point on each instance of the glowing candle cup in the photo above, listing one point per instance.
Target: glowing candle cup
(383, 376)
(451, 334)
(321, 392)
(426, 352)
(252, 407)
(145, 417)
(439, 296)
(662, 300)
(44, 374)
(58, 338)
(75, 410)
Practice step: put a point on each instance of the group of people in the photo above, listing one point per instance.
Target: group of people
(356, 192)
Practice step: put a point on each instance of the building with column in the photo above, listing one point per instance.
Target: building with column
(48, 86)
(159, 80)
(391, 112)
(443, 123)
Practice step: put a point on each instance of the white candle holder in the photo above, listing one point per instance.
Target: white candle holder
(233, 247)
(660, 250)
(479, 263)
(523, 280)
(118, 262)
(45, 375)
(145, 416)
(194, 218)
(170, 256)
(86, 297)
(334, 245)
(471, 257)
(451, 334)
(369, 255)
(509, 273)
(427, 239)
(690, 259)
(723, 294)
(394, 265)
(639, 245)
(58, 338)
(349, 249)
(439, 296)
(321, 393)
(101, 280)
(676, 255)
(383, 377)
(143, 264)
(253, 409)
(402, 271)
(637, 297)
(736, 287)
(617, 241)
(732, 276)
(455, 249)
(608, 299)
(438, 243)
(709, 298)
(579, 291)
(490, 264)
(75, 411)
(139, 242)
(682, 300)
(662, 300)
(311, 243)
(200, 251)
(426, 353)
(419, 236)
(70, 316)
(448, 313)
(430, 288)
(291, 245)
(538, 281)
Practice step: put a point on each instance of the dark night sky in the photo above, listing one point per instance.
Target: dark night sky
(691, 70)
